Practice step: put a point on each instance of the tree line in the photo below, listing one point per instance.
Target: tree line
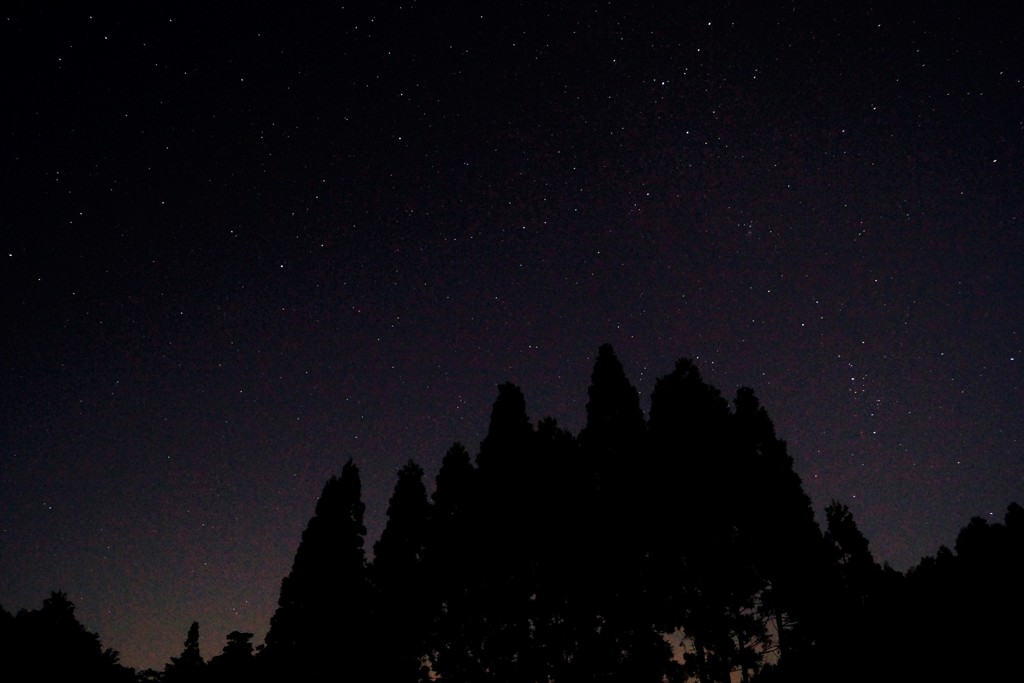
(680, 546)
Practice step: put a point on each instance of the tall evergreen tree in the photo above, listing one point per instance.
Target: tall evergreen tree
(617, 465)
(777, 521)
(322, 624)
(613, 448)
(562, 612)
(703, 574)
(404, 598)
(853, 640)
(454, 485)
(453, 565)
(859, 570)
(505, 585)
(615, 425)
(508, 435)
(189, 666)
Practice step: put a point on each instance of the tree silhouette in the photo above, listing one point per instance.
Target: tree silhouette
(507, 436)
(860, 572)
(404, 600)
(613, 448)
(503, 588)
(50, 644)
(615, 428)
(777, 521)
(987, 593)
(705, 578)
(451, 566)
(616, 462)
(235, 663)
(586, 559)
(8, 636)
(189, 666)
(321, 626)
(858, 638)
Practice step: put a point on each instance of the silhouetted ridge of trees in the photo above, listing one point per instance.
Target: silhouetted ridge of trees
(677, 547)
(50, 644)
(324, 611)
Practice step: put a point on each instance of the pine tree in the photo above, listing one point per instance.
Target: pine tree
(615, 422)
(617, 465)
(321, 626)
(404, 600)
(508, 434)
(613, 448)
(453, 565)
(704, 578)
(504, 587)
(189, 666)
(859, 570)
(777, 521)
(562, 612)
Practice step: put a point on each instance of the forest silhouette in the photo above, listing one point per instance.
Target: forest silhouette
(677, 547)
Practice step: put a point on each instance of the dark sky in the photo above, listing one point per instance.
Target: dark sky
(243, 244)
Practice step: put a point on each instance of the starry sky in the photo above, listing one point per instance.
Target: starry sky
(244, 242)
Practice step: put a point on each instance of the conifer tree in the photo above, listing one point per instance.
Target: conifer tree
(453, 566)
(505, 584)
(454, 484)
(508, 434)
(189, 666)
(615, 425)
(859, 570)
(703, 575)
(856, 639)
(613, 448)
(563, 612)
(616, 463)
(777, 521)
(404, 601)
(321, 626)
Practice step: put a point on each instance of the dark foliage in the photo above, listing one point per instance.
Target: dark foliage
(189, 666)
(403, 603)
(677, 548)
(321, 625)
(50, 644)
(235, 663)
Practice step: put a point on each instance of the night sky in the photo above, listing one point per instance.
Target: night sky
(244, 244)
